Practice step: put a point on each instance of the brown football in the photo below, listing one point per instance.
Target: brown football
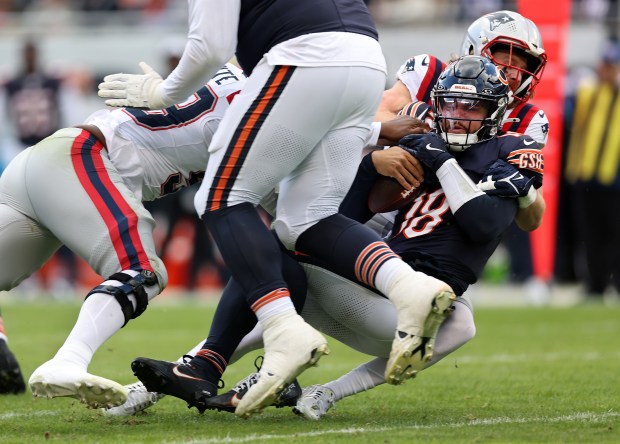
(388, 195)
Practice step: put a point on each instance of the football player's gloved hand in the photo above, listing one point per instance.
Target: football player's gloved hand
(133, 90)
(504, 180)
(430, 149)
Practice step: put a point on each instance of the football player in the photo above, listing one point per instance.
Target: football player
(512, 42)
(293, 52)
(83, 187)
(449, 231)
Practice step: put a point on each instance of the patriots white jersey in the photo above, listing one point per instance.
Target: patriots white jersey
(527, 118)
(158, 152)
(419, 74)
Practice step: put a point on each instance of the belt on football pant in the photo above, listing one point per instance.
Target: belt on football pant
(95, 131)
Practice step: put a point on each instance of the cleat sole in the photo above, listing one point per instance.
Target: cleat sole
(411, 353)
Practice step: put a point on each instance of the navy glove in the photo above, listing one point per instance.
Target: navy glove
(504, 180)
(430, 149)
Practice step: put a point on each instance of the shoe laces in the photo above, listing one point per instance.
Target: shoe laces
(136, 387)
(320, 394)
(245, 384)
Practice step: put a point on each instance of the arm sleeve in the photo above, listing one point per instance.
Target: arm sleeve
(486, 217)
(211, 42)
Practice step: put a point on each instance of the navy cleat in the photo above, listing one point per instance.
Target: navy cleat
(11, 379)
(182, 381)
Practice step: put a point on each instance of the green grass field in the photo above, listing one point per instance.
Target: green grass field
(530, 375)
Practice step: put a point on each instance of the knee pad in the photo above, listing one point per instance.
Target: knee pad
(128, 285)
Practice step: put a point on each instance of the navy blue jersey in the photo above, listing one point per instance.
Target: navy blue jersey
(426, 233)
(265, 23)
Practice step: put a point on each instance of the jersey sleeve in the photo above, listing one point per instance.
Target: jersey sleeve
(211, 42)
(527, 119)
(419, 74)
(528, 158)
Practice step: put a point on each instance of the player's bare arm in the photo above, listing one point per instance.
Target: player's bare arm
(530, 218)
(392, 101)
(395, 129)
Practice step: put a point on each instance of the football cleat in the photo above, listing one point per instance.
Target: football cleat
(180, 380)
(138, 400)
(315, 401)
(54, 380)
(229, 401)
(419, 316)
(11, 379)
(291, 346)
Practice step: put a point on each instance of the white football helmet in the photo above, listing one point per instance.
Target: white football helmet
(509, 30)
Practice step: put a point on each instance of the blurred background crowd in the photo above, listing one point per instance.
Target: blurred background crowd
(54, 53)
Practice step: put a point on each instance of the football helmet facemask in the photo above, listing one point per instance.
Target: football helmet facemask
(475, 85)
(518, 35)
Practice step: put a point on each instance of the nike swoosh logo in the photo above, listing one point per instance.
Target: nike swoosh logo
(429, 147)
(176, 371)
(541, 114)
(425, 61)
(528, 142)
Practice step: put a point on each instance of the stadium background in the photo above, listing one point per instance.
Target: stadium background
(81, 41)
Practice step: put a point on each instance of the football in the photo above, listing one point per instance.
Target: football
(388, 195)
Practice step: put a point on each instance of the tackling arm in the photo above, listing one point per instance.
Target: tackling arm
(211, 42)
(530, 218)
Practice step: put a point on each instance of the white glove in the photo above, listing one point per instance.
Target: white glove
(133, 90)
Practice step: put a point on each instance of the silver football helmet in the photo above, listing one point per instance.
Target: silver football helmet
(514, 32)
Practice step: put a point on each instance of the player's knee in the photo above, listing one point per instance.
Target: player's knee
(126, 283)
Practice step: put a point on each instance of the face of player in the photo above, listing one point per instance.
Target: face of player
(512, 64)
(463, 116)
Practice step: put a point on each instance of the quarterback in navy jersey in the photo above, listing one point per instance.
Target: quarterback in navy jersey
(452, 247)
(454, 244)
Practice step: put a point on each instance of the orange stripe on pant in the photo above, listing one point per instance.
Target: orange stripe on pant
(242, 141)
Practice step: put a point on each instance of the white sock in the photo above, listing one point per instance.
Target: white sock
(388, 272)
(100, 317)
(274, 303)
(362, 378)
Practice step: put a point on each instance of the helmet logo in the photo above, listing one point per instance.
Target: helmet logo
(466, 88)
(498, 19)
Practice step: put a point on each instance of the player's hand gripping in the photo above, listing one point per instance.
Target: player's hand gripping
(399, 164)
(430, 149)
(503, 179)
(133, 90)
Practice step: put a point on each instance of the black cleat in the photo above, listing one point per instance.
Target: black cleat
(11, 379)
(182, 381)
(227, 402)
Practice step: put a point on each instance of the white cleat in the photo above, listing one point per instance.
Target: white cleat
(423, 303)
(53, 380)
(291, 346)
(315, 401)
(138, 400)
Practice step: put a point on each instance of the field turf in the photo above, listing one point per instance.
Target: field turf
(530, 375)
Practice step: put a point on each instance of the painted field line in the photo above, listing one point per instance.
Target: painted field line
(576, 417)
(544, 357)
(13, 415)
